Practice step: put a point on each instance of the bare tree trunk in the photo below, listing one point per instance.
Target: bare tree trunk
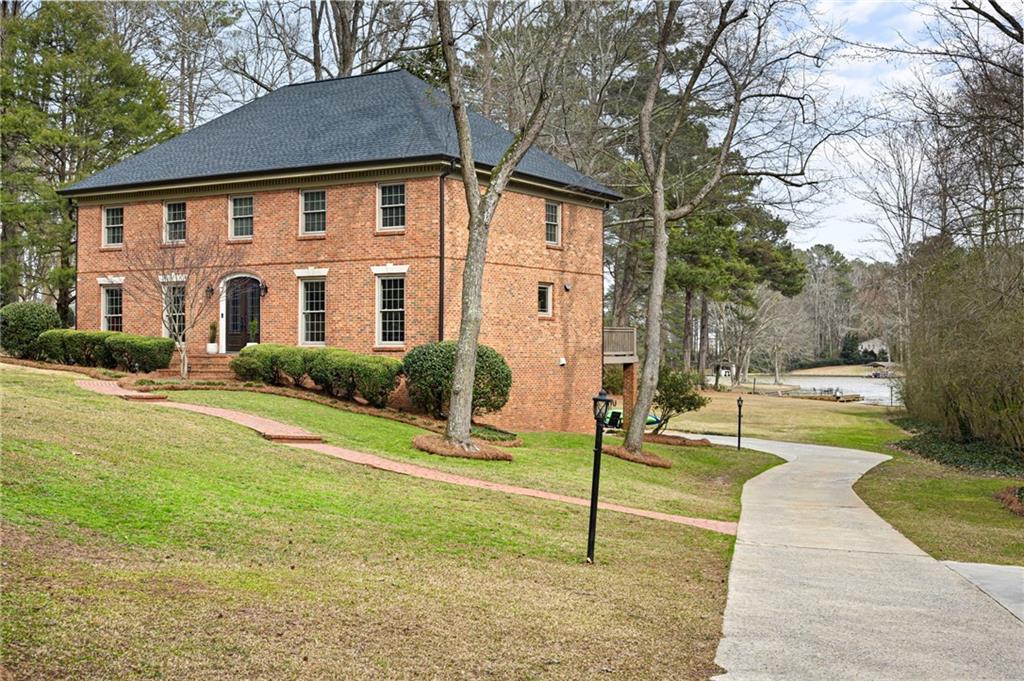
(652, 358)
(688, 331)
(702, 352)
(316, 13)
(482, 205)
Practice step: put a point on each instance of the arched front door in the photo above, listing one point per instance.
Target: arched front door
(242, 308)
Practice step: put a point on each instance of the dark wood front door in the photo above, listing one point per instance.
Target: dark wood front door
(243, 307)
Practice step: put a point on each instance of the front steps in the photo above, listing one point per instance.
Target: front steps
(201, 367)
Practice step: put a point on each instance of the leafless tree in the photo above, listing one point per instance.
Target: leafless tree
(741, 60)
(182, 281)
(483, 201)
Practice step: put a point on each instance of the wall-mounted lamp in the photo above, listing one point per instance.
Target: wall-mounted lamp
(209, 292)
(263, 290)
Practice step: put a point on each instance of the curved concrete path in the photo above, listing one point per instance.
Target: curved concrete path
(297, 437)
(822, 588)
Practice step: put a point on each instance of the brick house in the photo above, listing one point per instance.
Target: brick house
(345, 202)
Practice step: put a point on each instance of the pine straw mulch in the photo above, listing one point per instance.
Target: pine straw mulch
(645, 458)
(435, 444)
(676, 440)
(1013, 499)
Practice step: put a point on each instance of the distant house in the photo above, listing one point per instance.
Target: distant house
(875, 346)
(345, 200)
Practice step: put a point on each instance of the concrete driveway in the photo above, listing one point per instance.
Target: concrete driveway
(822, 588)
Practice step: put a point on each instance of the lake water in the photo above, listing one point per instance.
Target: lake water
(871, 390)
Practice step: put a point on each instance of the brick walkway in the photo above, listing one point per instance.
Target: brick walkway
(297, 437)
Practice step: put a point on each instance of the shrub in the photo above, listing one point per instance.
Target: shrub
(140, 353)
(676, 394)
(21, 324)
(429, 369)
(89, 348)
(612, 379)
(51, 345)
(338, 372)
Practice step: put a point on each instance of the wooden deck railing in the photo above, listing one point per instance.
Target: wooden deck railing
(619, 345)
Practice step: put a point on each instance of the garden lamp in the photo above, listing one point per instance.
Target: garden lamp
(601, 404)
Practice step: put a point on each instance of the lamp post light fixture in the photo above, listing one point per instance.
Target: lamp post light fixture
(739, 421)
(601, 404)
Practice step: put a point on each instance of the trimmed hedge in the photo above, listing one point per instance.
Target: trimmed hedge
(20, 326)
(51, 346)
(140, 353)
(89, 348)
(107, 349)
(338, 372)
(429, 370)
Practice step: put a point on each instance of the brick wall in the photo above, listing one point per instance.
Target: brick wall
(545, 395)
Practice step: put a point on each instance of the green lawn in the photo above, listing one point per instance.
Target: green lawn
(140, 541)
(950, 513)
(704, 481)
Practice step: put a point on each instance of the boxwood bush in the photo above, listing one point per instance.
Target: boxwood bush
(139, 353)
(338, 372)
(429, 370)
(51, 346)
(20, 326)
(89, 348)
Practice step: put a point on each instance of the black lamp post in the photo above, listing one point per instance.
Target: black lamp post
(739, 421)
(601, 404)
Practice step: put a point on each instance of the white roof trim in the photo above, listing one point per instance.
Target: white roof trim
(312, 272)
(109, 281)
(390, 269)
(168, 278)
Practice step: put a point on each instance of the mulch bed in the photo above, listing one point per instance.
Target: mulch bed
(1011, 498)
(675, 440)
(435, 444)
(643, 457)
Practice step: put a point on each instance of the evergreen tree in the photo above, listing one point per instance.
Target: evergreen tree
(73, 103)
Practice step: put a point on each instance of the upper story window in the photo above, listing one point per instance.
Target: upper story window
(113, 226)
(552, 223)
(391, 309)
(241, 217)
(313, 308)
(545, 293)
(391, 199)
(314, 212)
(175, 221)
(112, 318)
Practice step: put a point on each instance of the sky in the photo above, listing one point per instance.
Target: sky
(838, 220)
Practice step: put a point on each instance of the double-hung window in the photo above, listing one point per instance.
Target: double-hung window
(391, 199)
(113, 226)
(552, 223)
(544, 299)
(391, 309)
(175, 221)
(174, 310)
(241, 217)
(313, 311)
(314, 212)
(113, 309)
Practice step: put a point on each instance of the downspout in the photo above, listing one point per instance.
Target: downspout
(440, 252)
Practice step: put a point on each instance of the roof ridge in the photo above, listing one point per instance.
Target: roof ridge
(351, 77)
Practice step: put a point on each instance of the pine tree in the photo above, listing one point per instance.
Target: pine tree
(73, 103)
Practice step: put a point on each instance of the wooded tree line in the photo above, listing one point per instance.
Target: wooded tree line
(946, 174)
(705, 115)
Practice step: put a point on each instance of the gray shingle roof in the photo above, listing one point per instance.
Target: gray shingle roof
(380, 117)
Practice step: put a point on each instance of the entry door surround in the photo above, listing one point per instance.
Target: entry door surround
(239, 304)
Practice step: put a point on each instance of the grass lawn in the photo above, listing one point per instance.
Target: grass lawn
(835, 370)
(950, 513)
(704, 481)
(140, 541)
